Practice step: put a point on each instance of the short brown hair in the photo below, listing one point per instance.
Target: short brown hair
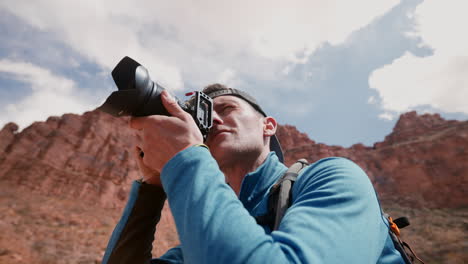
(214, 88)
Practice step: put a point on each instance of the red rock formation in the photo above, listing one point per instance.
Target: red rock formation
(84, 157)
(410, 126)
(7, 134)
(424, 161)
(75, 156)
(61, 178)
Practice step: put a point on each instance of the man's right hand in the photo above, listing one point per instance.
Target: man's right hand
(150, 176)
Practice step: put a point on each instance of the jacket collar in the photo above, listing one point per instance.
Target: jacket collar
(255, 184)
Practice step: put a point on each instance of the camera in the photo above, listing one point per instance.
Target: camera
(138, 95)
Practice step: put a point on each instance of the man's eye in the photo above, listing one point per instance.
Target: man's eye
(226, 108)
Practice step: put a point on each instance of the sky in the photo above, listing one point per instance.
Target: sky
(341, 71)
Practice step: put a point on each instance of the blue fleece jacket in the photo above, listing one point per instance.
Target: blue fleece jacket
(334, 216)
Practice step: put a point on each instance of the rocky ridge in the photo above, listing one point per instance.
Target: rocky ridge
(64, 183)
(84, 157)
(423, 162)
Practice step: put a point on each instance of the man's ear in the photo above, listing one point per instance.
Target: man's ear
(269, 126)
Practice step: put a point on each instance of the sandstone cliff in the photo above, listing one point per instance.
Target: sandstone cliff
(423, 162)
(82, 165)
(84, 157)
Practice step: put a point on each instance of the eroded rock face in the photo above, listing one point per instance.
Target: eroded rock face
(423, 162)
(7, 134)
(411, 126)
(64, 183)
(85, 157)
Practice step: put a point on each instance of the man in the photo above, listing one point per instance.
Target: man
(216, 190)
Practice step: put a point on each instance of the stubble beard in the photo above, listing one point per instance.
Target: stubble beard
(237, 155)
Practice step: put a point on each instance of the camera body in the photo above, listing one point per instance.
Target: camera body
(138, 95)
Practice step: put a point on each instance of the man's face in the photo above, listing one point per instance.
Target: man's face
(238, 129)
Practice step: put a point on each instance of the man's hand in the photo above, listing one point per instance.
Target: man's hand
(149, 176)
(165, 136)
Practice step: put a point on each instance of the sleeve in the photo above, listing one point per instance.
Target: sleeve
(132, 238)
(334, 219)
(335, 215)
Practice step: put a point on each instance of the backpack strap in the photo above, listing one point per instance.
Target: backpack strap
(279, 199)
(400, 245)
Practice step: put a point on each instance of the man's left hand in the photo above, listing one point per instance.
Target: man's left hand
(165, 136)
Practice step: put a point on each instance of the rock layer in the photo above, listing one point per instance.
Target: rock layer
(63, 183)
(423, 162)
(76, 156)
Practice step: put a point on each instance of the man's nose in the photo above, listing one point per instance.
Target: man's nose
(216, 118)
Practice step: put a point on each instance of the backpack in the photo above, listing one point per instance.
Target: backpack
(279, 200)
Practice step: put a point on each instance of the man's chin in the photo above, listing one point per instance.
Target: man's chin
(220, 151)
(219, 140)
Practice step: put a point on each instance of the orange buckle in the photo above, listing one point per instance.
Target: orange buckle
(393, 226)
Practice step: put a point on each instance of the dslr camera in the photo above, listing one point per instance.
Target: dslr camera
(138, 95)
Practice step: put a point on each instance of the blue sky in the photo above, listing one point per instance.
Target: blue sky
(340, 71)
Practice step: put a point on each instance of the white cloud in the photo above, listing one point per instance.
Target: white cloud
(286, 70)
(285, 28)
(50, 94)
(169, 36)
(387, 116)
(103, 31)
(372, 100)
(439, 80)
(229, 78)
